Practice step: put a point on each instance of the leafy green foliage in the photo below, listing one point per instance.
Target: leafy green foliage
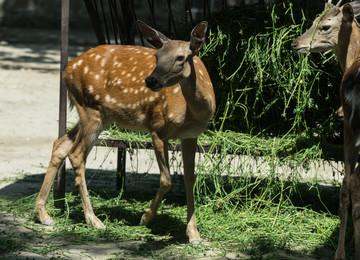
(261, 85)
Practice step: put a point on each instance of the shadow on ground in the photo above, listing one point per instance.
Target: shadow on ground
(141, 188)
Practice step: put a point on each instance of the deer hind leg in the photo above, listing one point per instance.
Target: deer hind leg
(161, 152)
(60, 150)
(188, 148)
(350, 152)
(89, 129)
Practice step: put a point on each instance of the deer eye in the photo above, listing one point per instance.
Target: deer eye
(180, 58)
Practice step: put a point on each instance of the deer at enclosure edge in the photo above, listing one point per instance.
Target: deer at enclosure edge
(337, 29)
(166, 92)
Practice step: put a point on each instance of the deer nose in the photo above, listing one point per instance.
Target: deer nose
(294, 44)
(151, 81)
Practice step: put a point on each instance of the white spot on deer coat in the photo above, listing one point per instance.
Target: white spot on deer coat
(80, 62)
(97, 57)
(97, 97)
(103, 62)
(133, 78)
(140, 119)
(91, 89)
(107, 98)
(97, 76)
(126, 90)
(86, 69)
(151, 99)
(176, 90)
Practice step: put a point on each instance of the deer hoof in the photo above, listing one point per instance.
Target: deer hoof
(48, 222)
(195, 241)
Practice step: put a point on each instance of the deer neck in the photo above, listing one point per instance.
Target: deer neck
(198, 91)
(349, 46)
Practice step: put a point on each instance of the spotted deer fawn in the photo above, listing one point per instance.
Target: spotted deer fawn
(337, 29)
(166, 92)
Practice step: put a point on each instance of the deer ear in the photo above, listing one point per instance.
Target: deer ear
(197, 37)
(356, 7)
(155, 38)
(348, 13)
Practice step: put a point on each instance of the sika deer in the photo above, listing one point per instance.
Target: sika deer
(337, 29)
(166, 92)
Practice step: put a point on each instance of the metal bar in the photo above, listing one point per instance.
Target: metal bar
(131, 2)
(148, 145)
(188, 11)
(206, 8)
(121, 168)
(122, 23)
(117, 16)
(60, 202)
(226, 6)
(152, 12)
(111, 9)
(171, 18)
(105, 23)
(95, 21)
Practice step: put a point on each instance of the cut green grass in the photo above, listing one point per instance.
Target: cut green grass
(247, 227)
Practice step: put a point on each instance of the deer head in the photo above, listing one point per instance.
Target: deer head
(173, 58)
(330, 29)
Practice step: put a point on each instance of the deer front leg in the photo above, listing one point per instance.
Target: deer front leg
(350, 155)
(188, 147)
(355, 201)
(60, 150)
(161, 152)
(343, 214)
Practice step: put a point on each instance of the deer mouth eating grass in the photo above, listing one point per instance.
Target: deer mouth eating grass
(166, 92)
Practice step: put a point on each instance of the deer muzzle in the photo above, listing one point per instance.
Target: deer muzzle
(153, 83)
